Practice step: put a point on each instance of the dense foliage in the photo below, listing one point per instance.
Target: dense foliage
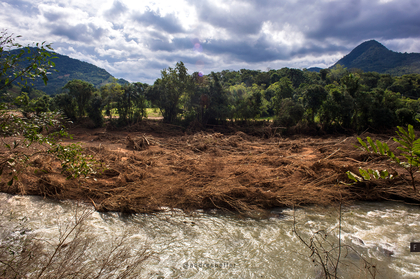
(334, 100)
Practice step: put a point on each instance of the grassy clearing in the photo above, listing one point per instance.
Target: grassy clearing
(153, 112)
(268, 118)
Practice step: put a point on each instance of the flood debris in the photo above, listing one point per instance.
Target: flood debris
(238, 172)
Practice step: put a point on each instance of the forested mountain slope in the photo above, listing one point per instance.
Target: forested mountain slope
(372, 56)
(68, 69)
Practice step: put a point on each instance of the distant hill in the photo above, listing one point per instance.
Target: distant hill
(314, 69)
(372, 56)
(69, 69)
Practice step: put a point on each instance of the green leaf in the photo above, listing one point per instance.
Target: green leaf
(375, 173)
(353, 176)
(363, 144)
(370, 141)
(10, 183)
(416, 147)
(404, 149)
(384, 174)
(411, 133)
(403, 142)
(380, 147)
(364, 174)
(403, 132)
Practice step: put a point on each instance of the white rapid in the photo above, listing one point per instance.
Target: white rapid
(216, 245)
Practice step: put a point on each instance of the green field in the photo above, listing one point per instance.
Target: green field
(153, 112)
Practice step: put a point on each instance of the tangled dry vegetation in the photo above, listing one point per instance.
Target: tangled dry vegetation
(152, 166)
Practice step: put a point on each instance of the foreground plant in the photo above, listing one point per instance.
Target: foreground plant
(330, 254)
(72, 254)
(410, 150)
(26, 135)
(39, 135)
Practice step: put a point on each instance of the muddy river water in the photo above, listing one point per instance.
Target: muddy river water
(217, 245)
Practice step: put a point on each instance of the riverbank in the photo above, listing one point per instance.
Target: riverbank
(153, 165)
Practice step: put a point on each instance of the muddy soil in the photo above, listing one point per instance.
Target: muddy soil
(153, 165)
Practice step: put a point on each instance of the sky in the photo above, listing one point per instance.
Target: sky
(135, 40)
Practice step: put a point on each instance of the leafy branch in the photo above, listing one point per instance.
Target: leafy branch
(24, 64)
(28, 131)
(410, 150)
(46, 128)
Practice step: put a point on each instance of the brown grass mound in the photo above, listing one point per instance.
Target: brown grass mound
(238, 172)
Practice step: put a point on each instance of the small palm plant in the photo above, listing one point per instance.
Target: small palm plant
(409, 147)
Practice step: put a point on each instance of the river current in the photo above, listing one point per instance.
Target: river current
(218, 245)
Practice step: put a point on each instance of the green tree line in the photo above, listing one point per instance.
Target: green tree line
(333, 99)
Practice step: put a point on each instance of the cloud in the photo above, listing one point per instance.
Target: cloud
(359, 20)
(116, 10)
(239, 18)
(25, 7)
(86, 33)
(137, 39)
(169, 23)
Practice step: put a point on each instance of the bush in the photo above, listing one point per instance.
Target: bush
(290, 113)
(95, 111)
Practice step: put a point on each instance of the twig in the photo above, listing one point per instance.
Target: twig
(146, 140)
(331, 154)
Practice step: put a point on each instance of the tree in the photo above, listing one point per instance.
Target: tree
(248, 102)
(24, 131)
(109, 93)
(313, 97)
(324, 73)
(336, 73)
(81, 91)
(290, 113)
(218, 99)
(209, 102)
(337, 109)
(131, 103)
(25, 63)
(66, 104)
(171, 91)
(280, 90)
(95, 110)
(236, 97)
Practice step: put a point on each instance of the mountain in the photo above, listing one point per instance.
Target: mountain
(68, 69)
(314, 69)
(372, 56)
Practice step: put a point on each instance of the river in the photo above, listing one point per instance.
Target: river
(219, 245)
